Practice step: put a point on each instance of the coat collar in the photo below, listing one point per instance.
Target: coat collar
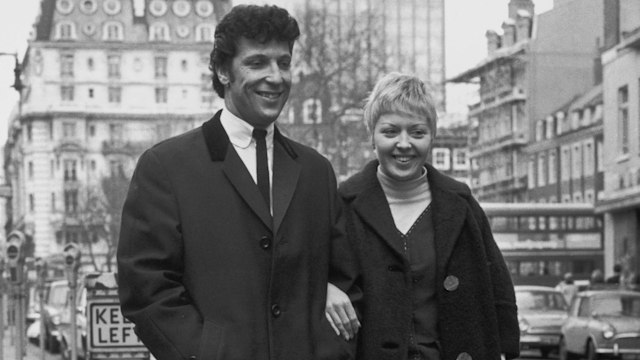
(218, 142)
(286, 171)
(449, 208)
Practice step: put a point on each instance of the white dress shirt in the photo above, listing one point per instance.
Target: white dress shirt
(240, 135)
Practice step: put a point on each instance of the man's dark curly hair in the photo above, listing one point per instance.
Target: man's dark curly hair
(261, 23)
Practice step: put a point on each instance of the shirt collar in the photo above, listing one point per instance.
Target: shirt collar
(239, 131)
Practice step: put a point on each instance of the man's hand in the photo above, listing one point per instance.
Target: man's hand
(340, 313)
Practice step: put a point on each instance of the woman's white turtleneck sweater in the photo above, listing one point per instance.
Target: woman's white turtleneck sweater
(407, 199)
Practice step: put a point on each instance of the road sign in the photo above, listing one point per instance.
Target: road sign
(108, 332)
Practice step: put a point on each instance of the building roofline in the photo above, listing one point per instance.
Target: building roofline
(500, 54)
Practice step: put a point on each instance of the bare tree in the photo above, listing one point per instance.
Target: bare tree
(95, 223)
(341, 48)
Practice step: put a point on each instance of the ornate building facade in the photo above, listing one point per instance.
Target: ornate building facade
(104, 80)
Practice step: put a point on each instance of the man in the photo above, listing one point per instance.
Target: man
(617, 272)
(215, 262)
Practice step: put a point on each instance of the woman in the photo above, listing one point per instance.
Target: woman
(435, 283)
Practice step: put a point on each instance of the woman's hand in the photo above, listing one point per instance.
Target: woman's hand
(340, 313)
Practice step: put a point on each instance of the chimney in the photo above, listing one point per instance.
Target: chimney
(523, 25)
(515, 5)
(493, 41)
(508, 33)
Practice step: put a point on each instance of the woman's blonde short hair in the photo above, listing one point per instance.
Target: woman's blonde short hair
(400, 93)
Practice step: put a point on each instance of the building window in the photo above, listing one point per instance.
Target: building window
(112, 31)
(589, 196)
(30, 170)
(589, 158)
(92, 130)
(623, 120)
(29, 132)
(68, 130)
(116, 132)
(160, 67)
(161, 95)
(542, 169)
(159, 32)
(70, 170)
(204, 33)
(551, 127)
(52, 169)
(90, 93)
(66, 93)
(115, 94)
(600, 156)
(71, 201)
(565, 165)
(441, 159)
(460, 160)
(113, 66)
(66, 65)
(576, 161)
(540, 124)
(90, 64)
(65, 30)
(53, 201)
(553, 174)
(32, 203)
(312, 111)
(117, 168)
(531, 178)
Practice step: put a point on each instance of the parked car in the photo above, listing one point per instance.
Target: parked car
(541, 312)
(55, 302)
(65, 331)
(602, 323)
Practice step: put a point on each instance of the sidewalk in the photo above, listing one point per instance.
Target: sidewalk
(33, 351)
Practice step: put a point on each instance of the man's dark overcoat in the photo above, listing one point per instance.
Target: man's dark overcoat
(477, 316)
(205, 272)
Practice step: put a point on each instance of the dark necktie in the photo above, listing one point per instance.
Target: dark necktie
(262, 164)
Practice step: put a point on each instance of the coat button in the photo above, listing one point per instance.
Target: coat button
(451, 283)
(275, 310)
(464, 356)
(265, 242)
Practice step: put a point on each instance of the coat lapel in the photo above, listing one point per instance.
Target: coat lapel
(372, 206)
(449, 211)
(285, 177)
(221, 149)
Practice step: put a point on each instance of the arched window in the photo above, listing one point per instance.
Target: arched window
(159, 32)
(112, 31)
(204, 32)
(65, 30)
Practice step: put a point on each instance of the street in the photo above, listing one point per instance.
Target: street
(33, 351)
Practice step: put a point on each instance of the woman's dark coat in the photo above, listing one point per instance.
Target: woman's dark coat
(477, 315)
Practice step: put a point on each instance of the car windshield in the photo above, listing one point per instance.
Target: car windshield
(58, 295)
(616, 305)
(540, 300)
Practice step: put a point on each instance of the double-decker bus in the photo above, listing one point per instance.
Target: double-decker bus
(541, 242)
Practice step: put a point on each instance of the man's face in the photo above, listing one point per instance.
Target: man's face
(259, 81)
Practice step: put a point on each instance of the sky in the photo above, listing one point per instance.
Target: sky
(466, 22)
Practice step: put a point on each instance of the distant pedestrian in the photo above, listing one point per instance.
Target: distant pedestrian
(567, 287)
(597, 280)
(615, 278)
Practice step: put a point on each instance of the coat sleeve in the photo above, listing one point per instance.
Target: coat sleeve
(150, 267)
(502, 287)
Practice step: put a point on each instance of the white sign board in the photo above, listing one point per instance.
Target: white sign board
(108, 328)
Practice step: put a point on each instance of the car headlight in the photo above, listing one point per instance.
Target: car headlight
(524, 325)
(608, 332)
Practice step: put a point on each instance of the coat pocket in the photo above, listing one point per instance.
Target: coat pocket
(330, 346)
(211, 342)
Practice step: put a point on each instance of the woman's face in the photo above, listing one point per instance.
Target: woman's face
(402, 143)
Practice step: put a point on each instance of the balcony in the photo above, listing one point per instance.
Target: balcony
(69, 145)
(121, 147)
(497, 98)
(499, 144)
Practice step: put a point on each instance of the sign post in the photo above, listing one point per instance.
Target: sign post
(72, 264)
(41, 274)
(109, 334)
(15, 263)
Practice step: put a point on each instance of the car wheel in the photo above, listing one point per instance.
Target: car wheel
(544, 352)
(591, 351)
(563, 353)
